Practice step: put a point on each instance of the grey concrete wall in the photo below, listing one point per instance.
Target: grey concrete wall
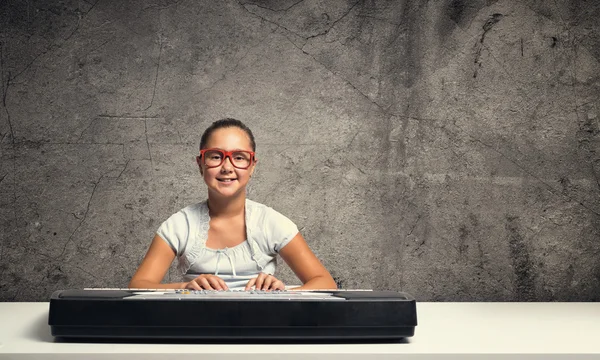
(446, 148)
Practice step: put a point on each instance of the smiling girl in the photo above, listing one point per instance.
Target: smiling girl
(228, 241)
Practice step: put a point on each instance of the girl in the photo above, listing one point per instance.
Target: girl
(229, 241)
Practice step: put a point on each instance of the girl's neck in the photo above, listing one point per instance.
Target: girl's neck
(226, 207)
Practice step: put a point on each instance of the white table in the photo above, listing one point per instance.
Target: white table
(445, 330)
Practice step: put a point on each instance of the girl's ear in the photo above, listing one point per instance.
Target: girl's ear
(199, 162)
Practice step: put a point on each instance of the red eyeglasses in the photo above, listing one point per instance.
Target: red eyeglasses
(240, 159)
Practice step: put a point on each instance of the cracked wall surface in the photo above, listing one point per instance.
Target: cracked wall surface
(449, 149)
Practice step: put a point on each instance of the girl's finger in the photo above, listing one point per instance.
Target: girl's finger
(214, 282)
(278, 285)
(267, 282)
(259, 281)
(250, 284)
(205, 284)
(223, 284)
(192, 284)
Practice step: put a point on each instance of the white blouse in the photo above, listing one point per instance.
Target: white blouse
(267, 232)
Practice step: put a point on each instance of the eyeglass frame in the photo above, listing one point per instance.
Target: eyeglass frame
(227, 154)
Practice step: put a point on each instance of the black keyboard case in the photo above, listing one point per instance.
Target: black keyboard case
(109, 314)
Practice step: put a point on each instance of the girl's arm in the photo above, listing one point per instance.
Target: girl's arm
(306, 266)
(153, 268)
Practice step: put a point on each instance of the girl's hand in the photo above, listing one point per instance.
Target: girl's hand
(206, 282)
(265, 282)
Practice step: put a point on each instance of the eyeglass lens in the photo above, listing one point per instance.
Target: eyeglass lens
(238, 158)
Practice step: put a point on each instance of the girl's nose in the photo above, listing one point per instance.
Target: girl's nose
(227, 163)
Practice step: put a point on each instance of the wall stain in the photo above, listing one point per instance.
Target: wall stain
(339, 282)
(522, 264)
(456, 9)
(463, 234)
(489, 24)
(596, 287)
(459, 13)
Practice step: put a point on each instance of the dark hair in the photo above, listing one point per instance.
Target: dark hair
(226, 123)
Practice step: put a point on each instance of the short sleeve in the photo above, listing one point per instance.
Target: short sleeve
(175, 231)
(279, 230)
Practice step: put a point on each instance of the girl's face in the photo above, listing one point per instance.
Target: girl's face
(226, 180)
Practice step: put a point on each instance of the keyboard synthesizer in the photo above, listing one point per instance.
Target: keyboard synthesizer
(232, 315)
